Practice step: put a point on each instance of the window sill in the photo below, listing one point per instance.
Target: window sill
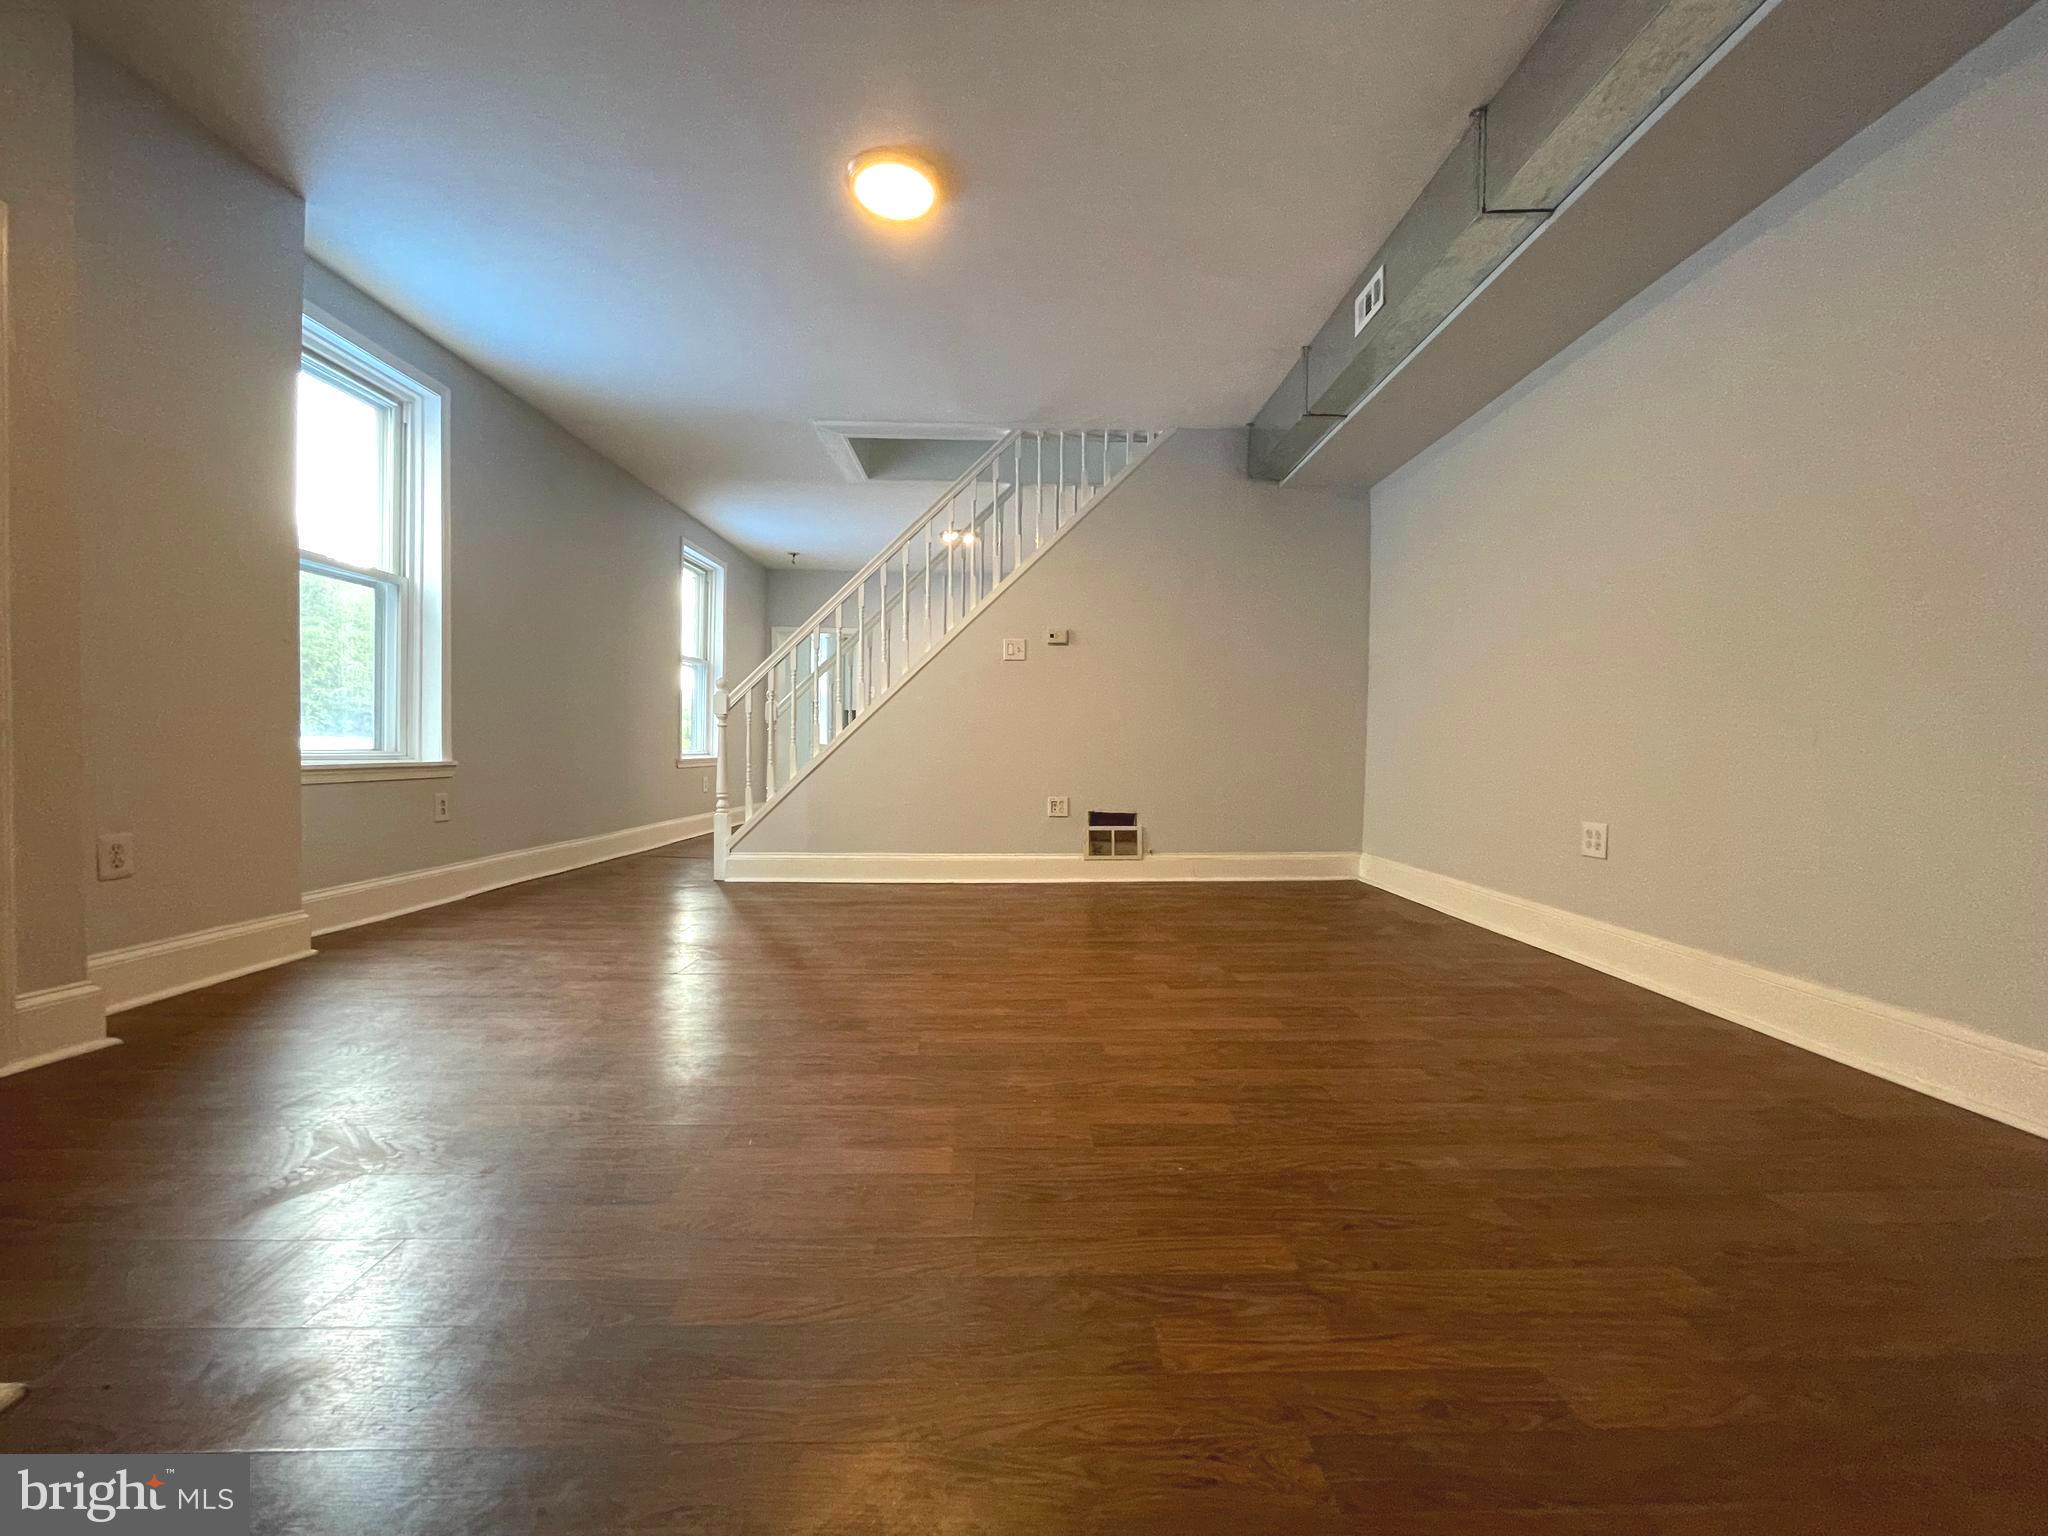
(709, 760)
(370, 773)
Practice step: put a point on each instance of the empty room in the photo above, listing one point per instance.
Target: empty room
(869, 766)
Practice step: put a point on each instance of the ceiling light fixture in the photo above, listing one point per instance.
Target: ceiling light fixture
(891, 185)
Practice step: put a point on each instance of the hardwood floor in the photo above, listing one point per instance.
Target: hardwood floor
(622, 1202)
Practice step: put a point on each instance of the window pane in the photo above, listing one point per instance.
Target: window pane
(695, 582)
(696, 709)
(337, 664)
(343, 472)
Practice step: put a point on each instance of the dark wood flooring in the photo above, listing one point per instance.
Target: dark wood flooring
(621, 1202)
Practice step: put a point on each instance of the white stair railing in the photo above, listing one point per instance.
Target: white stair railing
(787, 715)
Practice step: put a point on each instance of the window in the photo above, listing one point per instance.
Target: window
(703, 626)
(372, 559)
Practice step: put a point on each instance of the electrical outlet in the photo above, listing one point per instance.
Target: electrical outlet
(707, 781)
(1059, 805)
(1593, 839)
(116, 855)
(440, 805)
(1013, 650)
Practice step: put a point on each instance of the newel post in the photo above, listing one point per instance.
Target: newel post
(721, 806)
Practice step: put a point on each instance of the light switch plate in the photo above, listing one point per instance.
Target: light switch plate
(1013, 650)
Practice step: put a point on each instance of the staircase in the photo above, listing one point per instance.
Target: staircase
(787, 716)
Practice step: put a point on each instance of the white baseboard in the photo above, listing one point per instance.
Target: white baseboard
(1033, 868)
(55, 1023)
(372, 901)
(1935, 1056)
(148, 973)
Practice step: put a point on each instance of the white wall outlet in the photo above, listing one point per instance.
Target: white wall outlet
(1059, 637)
(116, 855)
(1013, 650)
(440, 805)
(707, 781)
(1059, 805)
(1593, 839)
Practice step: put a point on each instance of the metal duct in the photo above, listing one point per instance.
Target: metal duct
(1599, 69)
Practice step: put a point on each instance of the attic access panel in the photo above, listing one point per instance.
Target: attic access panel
(916, 453)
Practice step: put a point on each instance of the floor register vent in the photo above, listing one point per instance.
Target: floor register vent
(1115, 835)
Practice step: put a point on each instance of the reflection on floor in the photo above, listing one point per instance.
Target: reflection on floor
(621, 1201)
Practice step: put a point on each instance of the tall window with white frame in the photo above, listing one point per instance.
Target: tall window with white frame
(372, 559)
(703, 626)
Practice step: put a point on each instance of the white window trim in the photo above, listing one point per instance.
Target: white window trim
(425, 702)
(692, 555)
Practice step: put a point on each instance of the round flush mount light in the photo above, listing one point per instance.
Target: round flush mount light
(892, 185)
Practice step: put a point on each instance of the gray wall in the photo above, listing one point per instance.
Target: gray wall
(1756, 574)
(36, 184)
(1212, 685)
(794, 595)
(189, 265)
(564, 610)
(190, 276)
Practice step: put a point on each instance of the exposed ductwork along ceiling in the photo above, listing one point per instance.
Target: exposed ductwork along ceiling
(1631, 134)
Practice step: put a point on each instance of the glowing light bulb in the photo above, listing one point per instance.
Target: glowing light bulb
(893, 186)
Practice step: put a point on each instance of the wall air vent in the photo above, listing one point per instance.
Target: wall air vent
(1115, 835)
(1368, 302)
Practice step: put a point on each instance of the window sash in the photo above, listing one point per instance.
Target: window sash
(697, 731)
(391, 597)
(391, 579)
(394, 473)
(409, 683)
(700, 625)
(697, 637)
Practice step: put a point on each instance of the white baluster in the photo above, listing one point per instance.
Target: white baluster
(721, 807)
(1059, 495)
(1038, 497)
(774, 708)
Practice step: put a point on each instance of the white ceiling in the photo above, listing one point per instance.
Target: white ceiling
(631, 212)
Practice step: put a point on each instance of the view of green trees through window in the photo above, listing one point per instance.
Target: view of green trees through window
(337, 664)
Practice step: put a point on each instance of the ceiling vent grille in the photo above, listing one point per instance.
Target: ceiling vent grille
(1368, 302)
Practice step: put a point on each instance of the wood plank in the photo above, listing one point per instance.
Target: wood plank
(623, 1201)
